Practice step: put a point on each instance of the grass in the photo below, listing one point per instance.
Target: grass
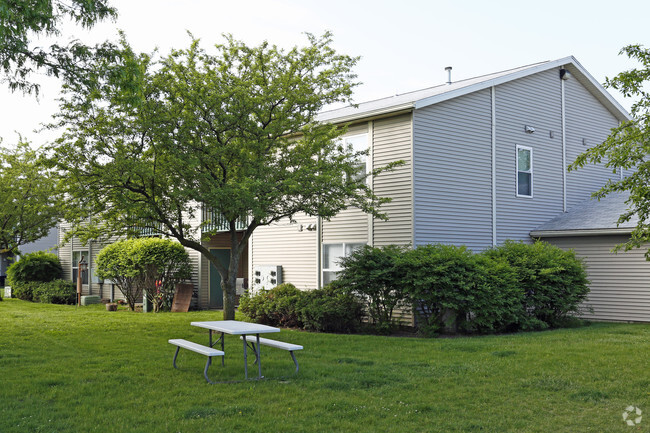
(67, 369)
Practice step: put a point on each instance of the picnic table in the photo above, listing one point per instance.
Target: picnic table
(244, 329)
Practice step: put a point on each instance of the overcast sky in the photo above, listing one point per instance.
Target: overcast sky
(405, 45)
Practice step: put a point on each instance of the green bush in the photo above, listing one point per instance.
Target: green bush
(36, 266)
(371, 274)
(149, 265)
(497, 304)
(55, 292)
(275, 307)
(330, 309)
(24, 291)
(554, 281)
(441, 281)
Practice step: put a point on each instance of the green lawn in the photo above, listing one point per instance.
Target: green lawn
(65, 369)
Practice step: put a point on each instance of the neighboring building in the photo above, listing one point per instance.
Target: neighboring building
(485, 160)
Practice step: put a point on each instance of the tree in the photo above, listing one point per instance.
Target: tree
(140, 266)
(628, 147)
(21, 20)
(231, 136)
(29, 201)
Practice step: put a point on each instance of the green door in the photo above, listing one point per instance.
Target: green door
(216, 293)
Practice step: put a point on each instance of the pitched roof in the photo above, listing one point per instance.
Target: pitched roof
(434, 95)
(590, 217)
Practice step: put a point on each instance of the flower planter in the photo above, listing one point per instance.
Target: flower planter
(111, 307)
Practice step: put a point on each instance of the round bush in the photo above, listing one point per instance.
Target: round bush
(36, 266)
(275, 307)
(553, 281)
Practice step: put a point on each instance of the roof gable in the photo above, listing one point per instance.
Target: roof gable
(433, 95)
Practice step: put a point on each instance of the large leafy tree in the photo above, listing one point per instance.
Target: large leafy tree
(231, 136)
(628, 148)
(29, 202)
(23, 20)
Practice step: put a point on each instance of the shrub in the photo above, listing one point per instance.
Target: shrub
(148, 265)
(496, 305)
(371, 274)
(330, 309)
(441, 282)
(36, 266)
(24, 291)
(554, 281)
(55, 292)
(275, 307)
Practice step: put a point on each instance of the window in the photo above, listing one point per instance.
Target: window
(359, 143)
(524, 171)
(332, 254)
(76, 257)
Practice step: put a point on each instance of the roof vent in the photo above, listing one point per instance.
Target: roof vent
(448, 69)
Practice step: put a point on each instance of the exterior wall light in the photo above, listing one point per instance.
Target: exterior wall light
(529, 129)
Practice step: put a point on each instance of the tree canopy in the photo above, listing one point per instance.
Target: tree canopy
(628, 147)
(23, 20)
(29, 201)
(229, 139)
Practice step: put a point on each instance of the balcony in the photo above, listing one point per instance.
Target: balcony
(213, 222)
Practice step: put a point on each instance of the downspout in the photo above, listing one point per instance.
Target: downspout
(494, 166)
(371, 180)
(319, 252)
(564, 168)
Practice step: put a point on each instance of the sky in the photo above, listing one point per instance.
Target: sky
(404, 45)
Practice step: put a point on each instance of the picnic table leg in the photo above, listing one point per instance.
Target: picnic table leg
(257, 355)
(175, 355)
(245, 358)
(223, 358)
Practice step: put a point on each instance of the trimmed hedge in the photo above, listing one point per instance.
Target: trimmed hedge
(327, 310)
(51, 292)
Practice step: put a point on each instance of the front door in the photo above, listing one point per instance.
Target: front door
(216, 292)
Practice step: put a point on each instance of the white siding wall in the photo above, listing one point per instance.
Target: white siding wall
(620, 283)
(283, 244)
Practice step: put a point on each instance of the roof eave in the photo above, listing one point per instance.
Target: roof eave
(580, 232)
(395, 109)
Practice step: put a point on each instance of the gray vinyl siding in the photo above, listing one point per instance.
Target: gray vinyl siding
(534, 101)
(620, 283)
(47, 243)
(392, 141)
(452, 163)
(586, 119)
(284, 244)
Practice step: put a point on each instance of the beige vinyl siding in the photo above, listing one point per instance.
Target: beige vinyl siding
(350, 225)
(284, 244)
(392, 141)
(620, 282)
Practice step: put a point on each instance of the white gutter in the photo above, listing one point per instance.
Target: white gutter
(564, 168)
(579, 232)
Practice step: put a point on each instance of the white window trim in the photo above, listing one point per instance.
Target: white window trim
(75, 265)
(532, 176)
(367, 162)
(337, 267)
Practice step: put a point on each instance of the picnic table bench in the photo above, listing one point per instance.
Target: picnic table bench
(198, 348)
(277, 344)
